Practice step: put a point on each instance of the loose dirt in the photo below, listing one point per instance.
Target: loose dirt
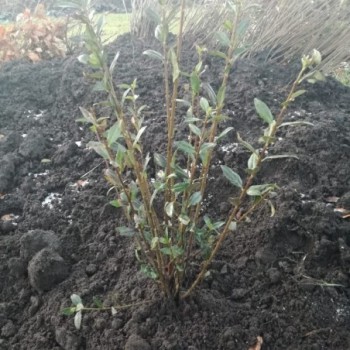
(284, 278)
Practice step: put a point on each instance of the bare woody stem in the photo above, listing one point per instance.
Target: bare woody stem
(171, 114)
(243, 194)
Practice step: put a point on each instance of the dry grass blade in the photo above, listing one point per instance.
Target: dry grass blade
(288, 29)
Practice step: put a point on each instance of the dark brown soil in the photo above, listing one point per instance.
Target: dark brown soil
(285, 278)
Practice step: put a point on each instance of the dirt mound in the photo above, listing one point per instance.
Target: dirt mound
(285, 278)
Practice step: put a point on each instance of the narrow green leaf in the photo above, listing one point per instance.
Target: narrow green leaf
(99, 86)
(69, 311)
(264, 111)
(204, 104)
(76, 300)
(224, 133)
(252, 161)
(84, 59)
(223, 38)
(218, 54)
(195, 129)
(221, 96)
(139, 134)
(125, 231)
(154, 242)
(280, 156)
(180, 187)
(185, 147)
(210, 91)
(183, 102)
(99, 148)
(114, 62)
(160, 160)
(233, 177)
(184, 219)
(296, 94)
(175, 65)
(195, 83)
(259, 190)
(169, 209)
(98, 303)
(77, 320)
(299, 122)
(166, 251)
(248, 146)
(115, 203)
(114, 133)
(154, 54)
(149, 271)
(88, 116)
(195, 198)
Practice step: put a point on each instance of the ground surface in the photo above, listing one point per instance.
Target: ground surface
(285, 278)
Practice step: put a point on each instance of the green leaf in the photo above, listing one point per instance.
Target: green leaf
(180, 187)
(185, 147)
(76, 300)
(154, 242)
(69, 311)
(195, 198)
(252, 161)
(77, 320)
(280, 156)
(259, 190)
(115, 203)
(166, 251)
(248, 146)
(224, 133)
(99, 86)
(97, 302)
(272, 208)
(169, 209)
(218, 54)
(210, 91)
(113, 64)
(221, 96)
(125, 231)
(176, 251)
(154, 54)
(233, 177)
(114, 133)
(184, 219)
(88, 116)
(99, 148)
(204, 104)
(223, 39)
(160, 160)
(242, 27)
(264, 111)
(84, 59)
(299, 122)
(175, 64)
(149, 271)
(139, 134)
(195, 83)
(206, 147)
(183, 102)
(195, 129)
(296, 94)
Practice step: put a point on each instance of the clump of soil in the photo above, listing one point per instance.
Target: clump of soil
(285, 278)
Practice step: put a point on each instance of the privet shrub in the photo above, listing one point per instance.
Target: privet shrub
(165, 216)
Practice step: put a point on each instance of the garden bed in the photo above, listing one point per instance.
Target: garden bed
(284, 278)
